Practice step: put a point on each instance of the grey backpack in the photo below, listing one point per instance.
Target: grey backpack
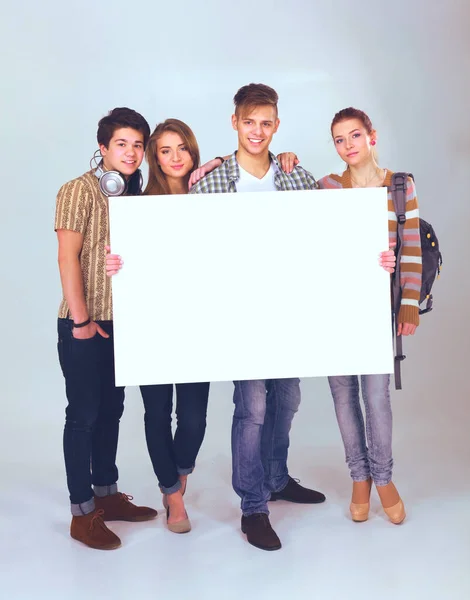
(431, 258)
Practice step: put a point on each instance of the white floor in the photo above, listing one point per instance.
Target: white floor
(325, 555)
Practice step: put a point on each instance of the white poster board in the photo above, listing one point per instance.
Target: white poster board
(219, 287)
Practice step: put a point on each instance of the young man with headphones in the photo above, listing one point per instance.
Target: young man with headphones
(85, 331)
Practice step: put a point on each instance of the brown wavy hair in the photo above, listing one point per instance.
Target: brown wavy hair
(157, 183)
(252, 95)
(352, 113)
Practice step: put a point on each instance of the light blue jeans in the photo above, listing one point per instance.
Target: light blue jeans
(368, 449)
(262, 419)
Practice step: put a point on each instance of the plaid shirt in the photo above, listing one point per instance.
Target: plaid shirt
(225, 177)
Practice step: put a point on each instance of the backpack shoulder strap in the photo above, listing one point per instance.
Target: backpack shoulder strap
(398, 190)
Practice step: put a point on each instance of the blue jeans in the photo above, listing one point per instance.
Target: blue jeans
(95, 406)
(262, 419)
(172, 456)
(371, 458)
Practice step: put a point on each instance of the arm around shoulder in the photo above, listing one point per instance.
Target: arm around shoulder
(200, 187)
(310, 181)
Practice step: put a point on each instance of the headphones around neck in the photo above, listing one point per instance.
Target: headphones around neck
(113, 183)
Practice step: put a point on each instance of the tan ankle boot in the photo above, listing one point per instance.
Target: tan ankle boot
(91, 530)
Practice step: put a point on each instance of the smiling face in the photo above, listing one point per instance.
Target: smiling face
(256, 128)
(125, 151)
(353, 142)
(173, 155)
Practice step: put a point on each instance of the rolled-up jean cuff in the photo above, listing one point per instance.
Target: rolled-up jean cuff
(186, 471)
(382, 482)
(172, 489)
(84, 508)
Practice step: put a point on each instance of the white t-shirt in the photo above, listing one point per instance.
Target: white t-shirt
(250, 183)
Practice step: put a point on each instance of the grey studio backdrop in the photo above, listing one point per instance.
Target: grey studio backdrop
(65, 65)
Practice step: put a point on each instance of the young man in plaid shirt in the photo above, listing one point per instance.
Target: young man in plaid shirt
(264, 409)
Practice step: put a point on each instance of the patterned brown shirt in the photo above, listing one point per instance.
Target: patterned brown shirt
(83, 208)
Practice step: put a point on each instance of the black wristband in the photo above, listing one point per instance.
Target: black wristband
(220, 158)
(84, 324)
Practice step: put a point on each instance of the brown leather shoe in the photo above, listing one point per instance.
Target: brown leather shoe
(118, 507)
(259, 532)
(91, 531)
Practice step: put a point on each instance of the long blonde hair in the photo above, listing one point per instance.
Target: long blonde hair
(157, 182)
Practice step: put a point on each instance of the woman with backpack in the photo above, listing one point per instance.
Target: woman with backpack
(368, 447)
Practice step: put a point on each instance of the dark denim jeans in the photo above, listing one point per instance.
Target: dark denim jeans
(95, 406)
(174, 456)
(264, 410)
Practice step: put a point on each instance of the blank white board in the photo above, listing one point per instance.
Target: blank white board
(219, 287)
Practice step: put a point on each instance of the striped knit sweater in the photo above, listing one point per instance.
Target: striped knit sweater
(410, 263)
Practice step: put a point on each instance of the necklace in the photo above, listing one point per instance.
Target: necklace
(367, 181)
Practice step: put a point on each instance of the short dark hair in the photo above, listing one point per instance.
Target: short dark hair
(254, 94)
(118, 118)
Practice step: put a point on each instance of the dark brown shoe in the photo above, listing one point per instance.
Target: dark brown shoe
(118, 507)
(259, 532)
(91, 530)
(294, 492)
